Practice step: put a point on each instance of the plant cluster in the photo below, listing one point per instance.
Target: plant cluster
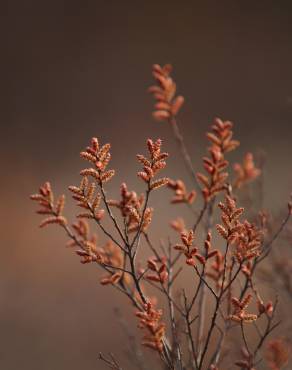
(221, 250)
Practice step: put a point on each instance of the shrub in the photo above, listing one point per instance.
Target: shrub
(185, 335)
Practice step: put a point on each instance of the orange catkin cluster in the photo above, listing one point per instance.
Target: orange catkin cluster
(167, 104)
(45, 199)
(192, 252)
(215, 165)
(245, 172)
(240, 307)
(152, 165)
(180, 192)
(150, 321)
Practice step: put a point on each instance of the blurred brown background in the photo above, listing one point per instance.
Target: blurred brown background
(74, 69)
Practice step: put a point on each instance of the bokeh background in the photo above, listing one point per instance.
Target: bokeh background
(74, 69)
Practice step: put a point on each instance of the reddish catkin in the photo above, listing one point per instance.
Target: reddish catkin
(240, 306)
(150, 322)
(191, 252)
(158, 269)
(153, 165)
(245, 172)
(45, 199)
(221, 143)
(277, 354)
(167, 104)
(180, 192)
(178, 225)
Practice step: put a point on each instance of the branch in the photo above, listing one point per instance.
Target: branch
(111, 214)
(184, 152)
(111, 361)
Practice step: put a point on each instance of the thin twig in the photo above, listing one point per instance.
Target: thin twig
(186, 157)
(111, 361)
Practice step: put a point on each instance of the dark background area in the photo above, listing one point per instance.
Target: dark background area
(74, 69)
